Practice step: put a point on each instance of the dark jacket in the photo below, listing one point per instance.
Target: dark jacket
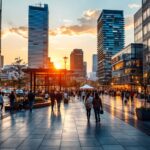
(31, 96)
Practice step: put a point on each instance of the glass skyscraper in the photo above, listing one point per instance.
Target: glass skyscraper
(94, 67)
(38, 36)
(110, 40)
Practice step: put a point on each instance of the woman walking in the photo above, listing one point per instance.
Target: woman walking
(98, 108)
(88, 105)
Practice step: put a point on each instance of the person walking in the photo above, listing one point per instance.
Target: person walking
(88, 105)
(31, 98)
(132, 96)
(97, 105)
(58, 99)
(52, 97)
(12, 98)
(1, 101)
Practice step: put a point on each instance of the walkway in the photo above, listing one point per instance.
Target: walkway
(68, 130)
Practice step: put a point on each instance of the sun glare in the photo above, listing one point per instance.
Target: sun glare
(57, 66)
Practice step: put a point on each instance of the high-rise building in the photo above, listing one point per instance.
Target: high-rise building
(110, 40)
(76, 61)
(94, 65)
(138, 30)
(38, 36)
(1, 57)
(146, 40)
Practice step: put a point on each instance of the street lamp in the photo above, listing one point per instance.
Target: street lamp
(65, 62)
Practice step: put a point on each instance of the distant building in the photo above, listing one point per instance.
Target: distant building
(127, 67)
(138, 30)
(94, 65)
(110, 37)
(85, 69)
(93, 76)
(146, 40)
(76, 61)
(38, 36)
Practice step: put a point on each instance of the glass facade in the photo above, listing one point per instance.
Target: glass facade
(146, 39)
(38, 37)
(127, 65)
(110, 34)
(94, 67)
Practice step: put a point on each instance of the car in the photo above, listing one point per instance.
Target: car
(20, 92)
(6, 91)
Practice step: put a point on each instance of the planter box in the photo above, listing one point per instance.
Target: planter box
(143, 114)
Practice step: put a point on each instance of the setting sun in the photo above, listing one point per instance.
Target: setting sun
(58, 66)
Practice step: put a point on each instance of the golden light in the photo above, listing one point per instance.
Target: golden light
(58, 66)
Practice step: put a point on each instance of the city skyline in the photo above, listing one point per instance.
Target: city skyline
(78, 27)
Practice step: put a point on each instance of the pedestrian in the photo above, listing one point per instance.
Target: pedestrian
(98, 108)
(31, 98)
(58, 99)
(1, 101)
(12, 98)
(88, 105)
(52, 97)
(132, 96)
(66, 98)
(46, 96)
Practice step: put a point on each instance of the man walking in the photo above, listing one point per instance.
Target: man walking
(1, 101)
(31, 98)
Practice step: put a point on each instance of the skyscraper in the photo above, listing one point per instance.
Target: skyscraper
(110, 38)
(1, 57)
(94, 65)
(38, 36)
(146, 40)
(76, 61)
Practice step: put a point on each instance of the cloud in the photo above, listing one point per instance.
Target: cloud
(129, 23)
(86, 25)
(133, 5)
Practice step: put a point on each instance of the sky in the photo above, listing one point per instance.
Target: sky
(72, 24)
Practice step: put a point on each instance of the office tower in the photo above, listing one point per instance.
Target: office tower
(94, 65)
(146, 40)
(1, 57)
(38, 36)
(76, 61)
(138, 30)
(110, 40)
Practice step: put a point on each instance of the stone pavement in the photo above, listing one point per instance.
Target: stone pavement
(68, 130)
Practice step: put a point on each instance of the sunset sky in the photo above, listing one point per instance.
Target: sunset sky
(72, 24)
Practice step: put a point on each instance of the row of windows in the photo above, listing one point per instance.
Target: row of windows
(138, 36)
(146, 28)
(138, 22)
(146, 14)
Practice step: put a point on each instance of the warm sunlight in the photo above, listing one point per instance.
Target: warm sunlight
(58, 66)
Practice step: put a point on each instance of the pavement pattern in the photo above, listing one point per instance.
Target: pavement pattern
(69, 130)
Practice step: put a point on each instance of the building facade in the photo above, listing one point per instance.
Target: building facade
(76, 61)
(110, 40)
(146, 40)
(38, 36)
(127, 67)
(85, 69)
(138, 28)
(94, 65)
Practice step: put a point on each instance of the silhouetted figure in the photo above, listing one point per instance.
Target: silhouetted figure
(97, 105)
(58, 99)
(53, 97)
(31, 98)
(12, 98)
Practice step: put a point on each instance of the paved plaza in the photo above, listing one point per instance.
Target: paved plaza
(69, 130)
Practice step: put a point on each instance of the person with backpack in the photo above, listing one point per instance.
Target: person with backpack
(31, 98)
(1, 101)
(98, 108)
(88, 105)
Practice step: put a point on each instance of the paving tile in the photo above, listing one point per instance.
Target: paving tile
(113, 147)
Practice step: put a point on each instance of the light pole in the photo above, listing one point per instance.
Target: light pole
(65, 62)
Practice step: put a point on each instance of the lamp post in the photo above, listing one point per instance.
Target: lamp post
(65, 62)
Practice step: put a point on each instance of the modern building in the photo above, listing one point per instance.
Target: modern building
(127, 67)
(110, 40)
(1, 57)
(146, 40)
(38, 36)
(94, 65)
(76, 61)
(138, 29)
